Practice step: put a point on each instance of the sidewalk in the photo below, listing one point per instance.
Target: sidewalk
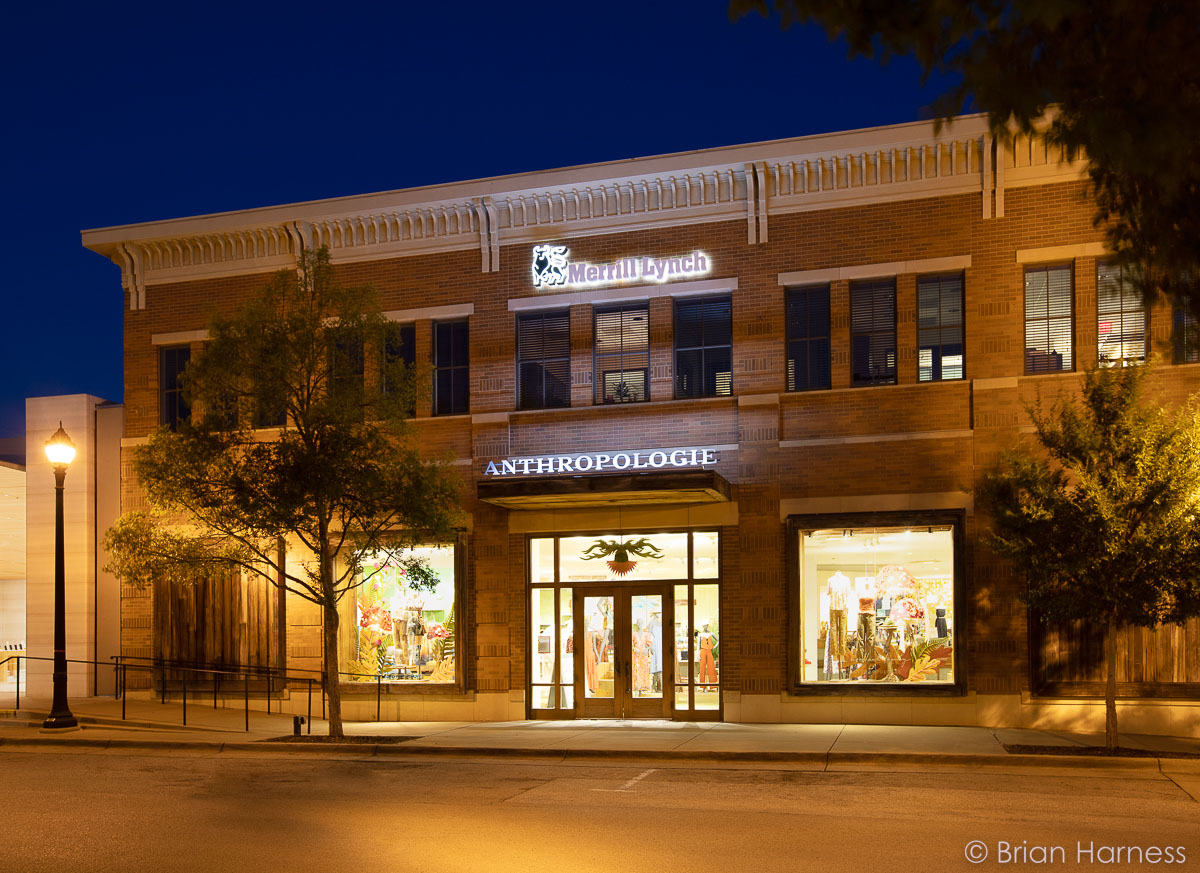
(151, 725)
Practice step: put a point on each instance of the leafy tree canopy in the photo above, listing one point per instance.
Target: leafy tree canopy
(1118, 79)
(1104, 522)
(297, 434)
(1107, 521)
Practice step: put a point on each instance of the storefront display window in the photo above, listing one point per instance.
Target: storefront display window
(405, 629)
(877, 605)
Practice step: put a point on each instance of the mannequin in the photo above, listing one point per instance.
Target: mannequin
(591, 651)
(415, 631)
(865, 592)
(940, 625)
(839, 596)
(642, 644)
(656, 664)
(705, 662)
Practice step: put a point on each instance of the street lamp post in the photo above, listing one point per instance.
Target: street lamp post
(60, 451)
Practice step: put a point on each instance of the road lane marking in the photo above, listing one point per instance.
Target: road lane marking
(628, 785)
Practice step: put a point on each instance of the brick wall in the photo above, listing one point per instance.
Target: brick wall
(790, 446)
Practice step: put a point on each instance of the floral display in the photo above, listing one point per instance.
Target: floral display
(376, 616)
(907, 609)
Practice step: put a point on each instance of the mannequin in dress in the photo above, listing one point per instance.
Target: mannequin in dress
(839, 604)
(705, 662)
(642, 644)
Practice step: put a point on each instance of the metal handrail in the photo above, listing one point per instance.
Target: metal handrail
(121, 665)
(122, 670)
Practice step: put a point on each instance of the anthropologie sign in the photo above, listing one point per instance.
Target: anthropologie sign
(553, 269)
(601, 462)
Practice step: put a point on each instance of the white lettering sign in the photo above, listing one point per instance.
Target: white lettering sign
(553, 269)
(601, 462)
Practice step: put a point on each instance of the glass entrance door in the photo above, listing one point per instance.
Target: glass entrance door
(627, 668)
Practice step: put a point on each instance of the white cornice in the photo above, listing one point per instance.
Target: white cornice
(746, 182)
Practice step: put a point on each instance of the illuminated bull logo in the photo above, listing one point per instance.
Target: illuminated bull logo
(549, 266)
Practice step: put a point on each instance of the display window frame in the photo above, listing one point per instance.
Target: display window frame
(463, 638)
(668, 586)
(797, 525)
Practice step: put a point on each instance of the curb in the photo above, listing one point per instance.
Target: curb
(821, 760)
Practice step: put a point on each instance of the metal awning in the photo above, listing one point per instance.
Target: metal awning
(618, 489)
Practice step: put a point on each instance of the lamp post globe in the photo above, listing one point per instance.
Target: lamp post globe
(60, 452)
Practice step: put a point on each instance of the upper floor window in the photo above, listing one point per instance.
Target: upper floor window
(703, 347)
(172, 406)
(622, 362)
(543, 360)
(1186, 334)
(873, 332)
(399, 353)
(808, 365)
(1120, 319)
(1048, 319)
(940, 328)
(346, 369)
(451, 367)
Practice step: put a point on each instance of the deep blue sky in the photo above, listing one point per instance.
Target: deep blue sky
(115, 115)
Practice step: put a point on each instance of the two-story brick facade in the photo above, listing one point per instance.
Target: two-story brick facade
(717, 415)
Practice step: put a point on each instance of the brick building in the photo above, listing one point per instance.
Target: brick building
(717, 415)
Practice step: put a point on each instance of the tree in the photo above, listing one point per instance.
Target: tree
(1117, 79)
(341, 478)
(1103, 523)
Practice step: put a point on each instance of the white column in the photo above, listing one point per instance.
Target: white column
(81, 532)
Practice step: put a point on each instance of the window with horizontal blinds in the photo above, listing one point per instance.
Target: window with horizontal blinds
(1120, 319)
(451, 368)
(873, 332)
(1186, 334)
(940, 328)
(704, 347)
(808, 366)
(1049, 345)
(173, 407)
(543, 360)
(622, 354)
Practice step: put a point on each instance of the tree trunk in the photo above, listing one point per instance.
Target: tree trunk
(1110, 686)
(329, 634)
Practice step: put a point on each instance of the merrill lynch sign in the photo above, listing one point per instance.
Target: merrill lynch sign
(601, 462)
(552, 268)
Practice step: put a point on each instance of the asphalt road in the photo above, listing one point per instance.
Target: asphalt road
(106, 811)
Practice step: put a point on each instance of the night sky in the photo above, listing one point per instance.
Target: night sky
(115, 115)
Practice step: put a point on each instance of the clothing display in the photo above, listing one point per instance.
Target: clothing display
(642, 643)
(706, 664)
(591, 654)
(839, 591)
(656, 647)
(838, 634)
(415, 632)
(940, 624)
(866, 637)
